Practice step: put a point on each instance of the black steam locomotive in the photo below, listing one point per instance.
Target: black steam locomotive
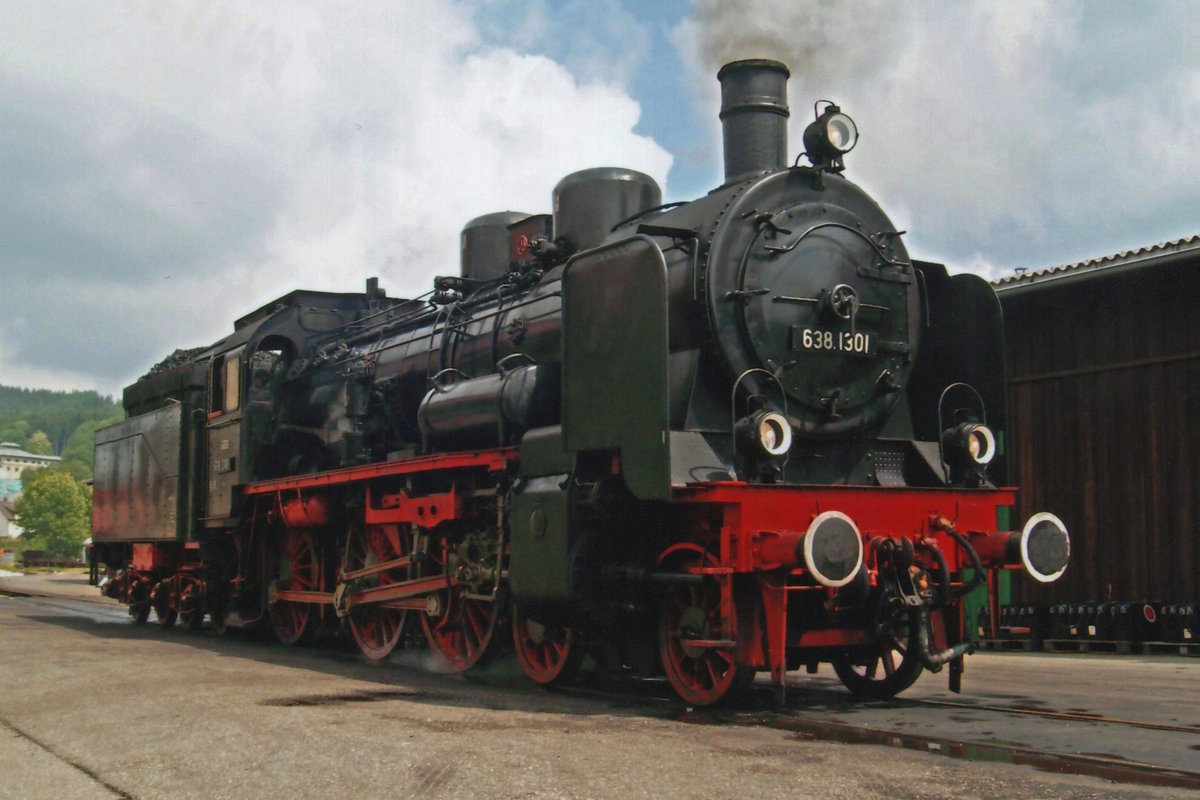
(743, 433)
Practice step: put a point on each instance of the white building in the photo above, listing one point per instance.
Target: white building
(14, 461)
(8, 521)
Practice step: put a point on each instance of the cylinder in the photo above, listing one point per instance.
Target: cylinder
(754, 113)
(491, 410)
(485, 245)
(590, 203)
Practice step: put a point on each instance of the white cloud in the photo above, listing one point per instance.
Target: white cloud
(245, 150)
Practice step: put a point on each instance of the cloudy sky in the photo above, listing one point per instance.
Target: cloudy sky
(169, 165)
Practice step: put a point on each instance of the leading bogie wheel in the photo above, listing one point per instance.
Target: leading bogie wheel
(376, 627)
(297, 568)
(885, 670)
(701, 674)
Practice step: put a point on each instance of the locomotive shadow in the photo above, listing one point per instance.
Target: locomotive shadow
(410, 674)
(416, 674)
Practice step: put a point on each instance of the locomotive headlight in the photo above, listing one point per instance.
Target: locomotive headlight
(774, 433)
(764, 439)
(830, 137)
(841, 133)
(981, 444)
(976, 444)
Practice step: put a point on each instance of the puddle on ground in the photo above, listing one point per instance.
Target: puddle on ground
(365, 696)
(1107, 766)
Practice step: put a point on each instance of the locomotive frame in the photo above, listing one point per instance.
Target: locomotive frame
(746, 433)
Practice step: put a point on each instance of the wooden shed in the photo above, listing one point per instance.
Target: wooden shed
(1104, 418)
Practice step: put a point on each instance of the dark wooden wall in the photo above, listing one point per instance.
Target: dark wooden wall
(1104, 428)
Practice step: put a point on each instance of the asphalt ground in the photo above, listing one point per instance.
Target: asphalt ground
(92, 706)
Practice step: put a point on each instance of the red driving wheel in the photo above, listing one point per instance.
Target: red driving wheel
(297, 569)
(457, 626)
(376, 627)
(547, 654)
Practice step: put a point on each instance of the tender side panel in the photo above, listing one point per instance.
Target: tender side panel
(138, 475)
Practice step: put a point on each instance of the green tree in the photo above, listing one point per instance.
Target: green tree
(39, 443)
(55, 511)
(57, 414)
(15, 431)
(81, 446)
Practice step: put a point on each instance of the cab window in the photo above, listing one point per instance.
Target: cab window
(226, 383)
(233, 365)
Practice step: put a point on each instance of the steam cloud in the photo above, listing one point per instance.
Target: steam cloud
(822, 43)
(998, 134)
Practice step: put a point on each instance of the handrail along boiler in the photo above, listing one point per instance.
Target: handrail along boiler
(743, 433)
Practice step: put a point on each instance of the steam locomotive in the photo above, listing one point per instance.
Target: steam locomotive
(706, 439)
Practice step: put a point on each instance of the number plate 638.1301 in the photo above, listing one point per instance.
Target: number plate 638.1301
(857, 344)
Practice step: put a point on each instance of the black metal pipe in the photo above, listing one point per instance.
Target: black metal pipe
(684, 578)
(977, 578)
(935, 661)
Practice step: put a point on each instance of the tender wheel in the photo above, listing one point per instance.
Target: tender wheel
(297, 569)
(218, 612)
(163, 601)
(376, 628)
(888, 670)
(458, 627)
(548, 655)
(191, 608)
(192, 620)
(139, 603)
(700, 675)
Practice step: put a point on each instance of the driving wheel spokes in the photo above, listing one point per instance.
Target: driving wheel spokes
(700, 671)
(376, 627)
(298, 569)
(458, 622)
(887, 669)
(548, 654)
(163, 600)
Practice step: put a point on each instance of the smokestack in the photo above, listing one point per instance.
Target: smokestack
(754, 114)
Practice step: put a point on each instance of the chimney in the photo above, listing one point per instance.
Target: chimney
(754, 114)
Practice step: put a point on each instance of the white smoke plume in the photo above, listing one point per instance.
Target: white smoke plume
(822, 43)
(990, 130)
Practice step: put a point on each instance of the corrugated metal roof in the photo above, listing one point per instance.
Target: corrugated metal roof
(1125, 258)
(11, 450)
